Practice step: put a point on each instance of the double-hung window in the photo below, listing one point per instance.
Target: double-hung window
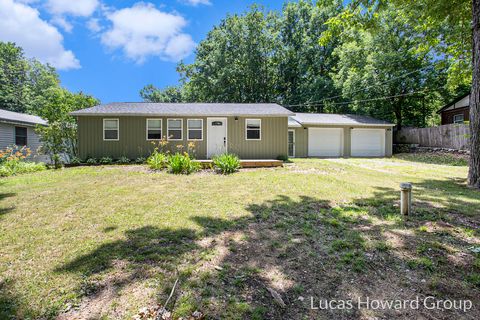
(175, 129)
(458, 118)
(253, 129)
(110, 129)
(20, 136)
(195, 129)
(154, 129)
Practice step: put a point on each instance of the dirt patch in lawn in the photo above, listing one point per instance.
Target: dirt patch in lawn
(291, 257)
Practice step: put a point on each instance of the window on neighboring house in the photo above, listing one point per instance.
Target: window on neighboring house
(154, 129)
(253, 128)
(20, 136)
(175, 129)
(458, 118)
(195, 129)
(110, 129)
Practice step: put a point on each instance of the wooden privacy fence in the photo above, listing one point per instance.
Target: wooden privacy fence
(451, 136)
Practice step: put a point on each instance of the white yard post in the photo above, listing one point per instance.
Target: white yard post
(406, 198)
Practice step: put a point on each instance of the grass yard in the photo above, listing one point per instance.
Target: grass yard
(103, 242)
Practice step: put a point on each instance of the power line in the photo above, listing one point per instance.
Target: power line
(309, 103)
(367, 100)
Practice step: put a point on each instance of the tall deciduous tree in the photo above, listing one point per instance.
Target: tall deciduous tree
(455, 26)
(382, 61)
(60, 137)
(474, 171)
(22, 81)
(169, 95)
(304, 64)
(236, 61)
(260, 57)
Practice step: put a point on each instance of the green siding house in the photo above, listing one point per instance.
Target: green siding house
(251, 131)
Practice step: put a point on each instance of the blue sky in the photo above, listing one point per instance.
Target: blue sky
(111, 49)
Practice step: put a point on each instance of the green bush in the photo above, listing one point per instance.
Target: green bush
(157, 161)
(10, 168)
(226, 163)
(75, 161)
(182, 164)
(106, 160)
(91, 161)
(140, 160)
(123, 160)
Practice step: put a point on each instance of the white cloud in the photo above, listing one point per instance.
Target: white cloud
(197, 2)
(21, 24)
(62, 23)
(80, 8)
(143, 30)
(94, 25)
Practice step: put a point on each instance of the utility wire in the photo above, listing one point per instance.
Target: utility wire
(310, 103)
(366, 100)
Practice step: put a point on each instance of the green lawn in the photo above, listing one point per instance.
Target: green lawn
(103, 242)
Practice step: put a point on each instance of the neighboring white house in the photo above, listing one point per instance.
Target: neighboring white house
(19, 129)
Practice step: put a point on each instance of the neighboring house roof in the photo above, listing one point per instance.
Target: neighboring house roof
(458, 99)
(185, 109)
(20, 118)
(337, 119)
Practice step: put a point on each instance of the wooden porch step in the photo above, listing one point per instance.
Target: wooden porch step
(249, 163)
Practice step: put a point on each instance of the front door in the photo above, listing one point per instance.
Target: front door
(216, 136)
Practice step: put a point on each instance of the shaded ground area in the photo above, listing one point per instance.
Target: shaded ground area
(316, 230)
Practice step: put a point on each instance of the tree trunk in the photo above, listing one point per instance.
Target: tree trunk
(474, 171)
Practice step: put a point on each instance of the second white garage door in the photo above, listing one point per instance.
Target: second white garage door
(325, 142)
(368, 142)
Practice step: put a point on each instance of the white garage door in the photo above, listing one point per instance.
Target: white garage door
(325, 142)
(368, 142)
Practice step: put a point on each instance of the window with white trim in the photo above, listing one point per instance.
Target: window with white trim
(195, 129)
(253, 129)
(458, 118)
(110, 129)
(154, 129)
(175, 129)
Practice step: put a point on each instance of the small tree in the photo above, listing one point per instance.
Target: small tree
(60, 137)
(53, 142)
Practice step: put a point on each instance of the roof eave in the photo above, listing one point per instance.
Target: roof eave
(176, 115)
(22, 123)
(349, 124)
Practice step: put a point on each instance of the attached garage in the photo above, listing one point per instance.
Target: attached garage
(325, 142)
(339, 135)
(367, 142)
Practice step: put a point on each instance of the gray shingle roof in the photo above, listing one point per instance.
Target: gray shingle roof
(185, 109)
(338, 119)
(22, 118)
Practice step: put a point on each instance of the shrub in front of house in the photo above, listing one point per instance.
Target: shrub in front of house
(75, 161)
(182, 164)
(106, 160)
(157, 161)
(123, 160)
(226, 163)
(91, 161)
(140, 160)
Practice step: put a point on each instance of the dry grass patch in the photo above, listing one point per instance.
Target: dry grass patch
(102, 242)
